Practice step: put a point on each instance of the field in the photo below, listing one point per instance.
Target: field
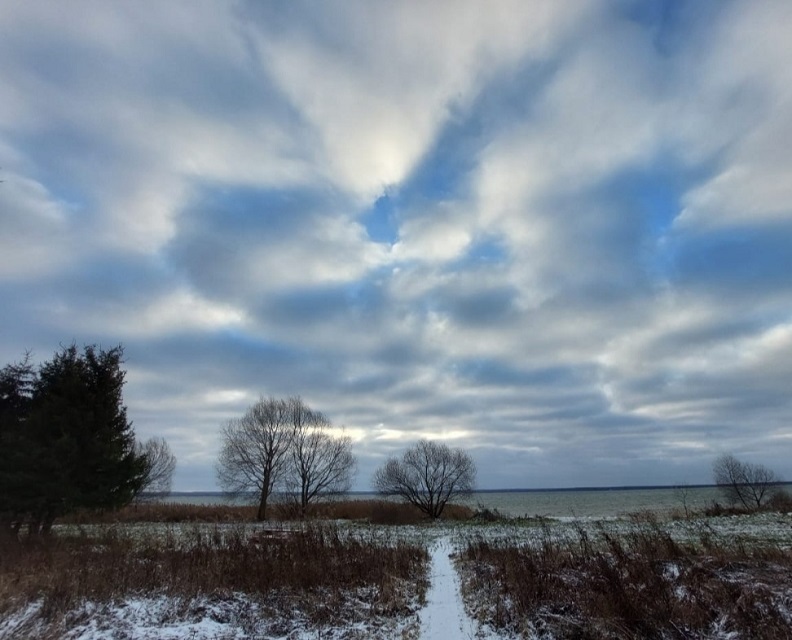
(379, 571)
(724, 578)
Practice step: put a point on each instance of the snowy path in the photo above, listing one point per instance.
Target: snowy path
(444, 615)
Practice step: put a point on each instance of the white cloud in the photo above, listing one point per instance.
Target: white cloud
(377, 94)
(436, 235)
(742, 108)
(166, 140)
(174, 312)
(38, 235)
(330, 250)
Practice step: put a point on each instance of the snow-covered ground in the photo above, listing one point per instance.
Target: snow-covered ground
(235, 615)
(444, 615)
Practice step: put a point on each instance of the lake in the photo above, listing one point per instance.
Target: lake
(556, 503)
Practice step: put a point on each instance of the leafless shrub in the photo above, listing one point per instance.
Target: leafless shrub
(160, 465)
(373, 511)
(284, 444)
(743, 483)
(641, 584)
(428, 476)
(781, 500)
(321, 464)
(382, 511)
(314, 567)
(165, 512)
(254, 453)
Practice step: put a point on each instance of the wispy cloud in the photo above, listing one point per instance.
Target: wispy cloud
(558, 234)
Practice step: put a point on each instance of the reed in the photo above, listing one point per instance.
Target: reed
(639, 584)
(375, 511)
(313, 568)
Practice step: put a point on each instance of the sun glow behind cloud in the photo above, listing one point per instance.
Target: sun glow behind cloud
(558, 234)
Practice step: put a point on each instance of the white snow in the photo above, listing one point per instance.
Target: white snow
(444, 615)
(236, 616)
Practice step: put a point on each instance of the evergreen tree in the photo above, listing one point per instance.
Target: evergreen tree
(16, 458)
(70, 443)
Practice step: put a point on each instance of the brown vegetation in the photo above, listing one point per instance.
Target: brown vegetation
(642, 584)
(384, 512)
(314, 569)
(373, 511)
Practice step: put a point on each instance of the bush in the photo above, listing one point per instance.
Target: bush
(313, 567)
(780, 501)
(374, 511)
(640, 584)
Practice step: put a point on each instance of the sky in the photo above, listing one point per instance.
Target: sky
(556, 234)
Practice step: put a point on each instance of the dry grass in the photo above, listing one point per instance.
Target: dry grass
(313, 569)
(383, 512)
(373, 511)
(166, 513)
(641, 584)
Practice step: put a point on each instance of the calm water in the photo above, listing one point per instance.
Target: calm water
(557, 503)
(594, 502)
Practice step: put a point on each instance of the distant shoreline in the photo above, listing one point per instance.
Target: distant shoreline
(479, 491)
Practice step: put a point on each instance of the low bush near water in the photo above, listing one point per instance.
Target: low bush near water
(639, 584)
(165, 512)
(373, 511)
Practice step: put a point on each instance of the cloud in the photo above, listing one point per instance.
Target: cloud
(37, 230)
(555, 234)
(743, 108)
(376, 83)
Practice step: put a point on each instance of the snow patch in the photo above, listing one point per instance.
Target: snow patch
(444, 615)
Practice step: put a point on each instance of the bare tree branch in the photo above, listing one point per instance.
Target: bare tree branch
(429, 475)
(321, 464)
(253, 457)
(160, 465)
(750, 485)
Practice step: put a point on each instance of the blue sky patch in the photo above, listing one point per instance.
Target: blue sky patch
(380, 221)
(204, 184)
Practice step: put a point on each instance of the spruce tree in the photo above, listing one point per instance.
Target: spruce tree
(17, 460)
(67, 442)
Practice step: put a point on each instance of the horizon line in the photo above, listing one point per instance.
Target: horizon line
(514, 490)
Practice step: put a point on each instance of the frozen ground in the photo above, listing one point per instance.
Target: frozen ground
(236, 616)
(444, 615)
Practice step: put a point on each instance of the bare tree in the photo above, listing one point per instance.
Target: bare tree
(321, 464)
(428, 476)
(160, 465)
(682, 493)
(742, 482)
(254, 453)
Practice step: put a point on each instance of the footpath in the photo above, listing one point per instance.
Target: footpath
(444, 616)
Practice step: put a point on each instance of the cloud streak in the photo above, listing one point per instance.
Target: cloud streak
(558, 235)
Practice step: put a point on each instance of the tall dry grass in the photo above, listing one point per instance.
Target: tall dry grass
(374, 511)
(642, 584)
(313, 568)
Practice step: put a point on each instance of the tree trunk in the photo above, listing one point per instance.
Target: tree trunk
(262, 508)
(303, 503)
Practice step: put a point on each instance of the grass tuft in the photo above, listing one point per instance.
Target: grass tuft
(313, 568)
(374, 511)
(635, 584)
